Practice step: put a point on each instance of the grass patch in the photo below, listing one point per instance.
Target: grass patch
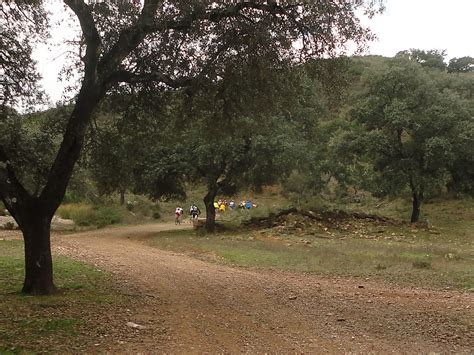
(417, 263)
(437, 253)
(63, 323)
(86, 215)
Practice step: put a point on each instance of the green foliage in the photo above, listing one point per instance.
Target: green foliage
(112, 155)
(31, 142)
(461, 65)
(86, 215)
(155, 166)
(239, 129)
(433, 59)
(24, 25)
(411, 129)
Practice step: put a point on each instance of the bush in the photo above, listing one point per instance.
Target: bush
(106, 215)
(143, 206)
(70, 197)
(88, 215)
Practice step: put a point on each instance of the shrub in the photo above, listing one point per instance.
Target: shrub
(143, 206)
(88, 215)
(106, 215)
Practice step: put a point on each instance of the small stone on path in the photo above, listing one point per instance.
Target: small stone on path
(135, 325)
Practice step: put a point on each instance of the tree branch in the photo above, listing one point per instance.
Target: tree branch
(125, 76)
(10, 186)
(91, 36)
(216, 15)
(129, 39)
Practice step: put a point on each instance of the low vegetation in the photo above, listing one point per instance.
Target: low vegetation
(108, 211)
(433, 255)
(66, 322)
(89, 215)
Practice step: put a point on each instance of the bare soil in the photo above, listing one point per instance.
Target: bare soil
(186, 305)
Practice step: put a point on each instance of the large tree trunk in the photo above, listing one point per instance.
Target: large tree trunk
(38, 260)
(210, 210)
(415, 214)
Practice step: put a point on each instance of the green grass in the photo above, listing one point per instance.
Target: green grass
(416, 262)
(55, 323)
(438, 253)
(86, 215)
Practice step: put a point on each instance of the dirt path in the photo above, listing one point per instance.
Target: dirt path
(195, 306)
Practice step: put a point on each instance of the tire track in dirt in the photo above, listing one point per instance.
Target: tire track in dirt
(196, 306)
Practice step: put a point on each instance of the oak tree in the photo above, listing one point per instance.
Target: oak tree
(159, 45)
(411, 131)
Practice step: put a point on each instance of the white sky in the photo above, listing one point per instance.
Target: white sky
(405, 24)
(425, 24)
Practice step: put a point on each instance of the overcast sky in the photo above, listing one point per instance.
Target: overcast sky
(425, 24)
(420, 24)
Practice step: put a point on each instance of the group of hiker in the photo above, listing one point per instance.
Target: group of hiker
(223, 205)
(220, 206)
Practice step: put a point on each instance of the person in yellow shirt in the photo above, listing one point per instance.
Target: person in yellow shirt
(222, 207)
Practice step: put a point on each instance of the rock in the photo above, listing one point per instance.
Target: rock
(340, 320)
(361, 286)
(292, 297)
(135, 325)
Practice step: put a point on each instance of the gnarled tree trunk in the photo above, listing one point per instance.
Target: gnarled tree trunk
(38, 259)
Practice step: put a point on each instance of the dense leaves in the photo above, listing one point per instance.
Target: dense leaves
(411, 126)
(23, 25)
(461, 65)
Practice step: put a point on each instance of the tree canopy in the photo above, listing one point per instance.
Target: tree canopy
(411, 130)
